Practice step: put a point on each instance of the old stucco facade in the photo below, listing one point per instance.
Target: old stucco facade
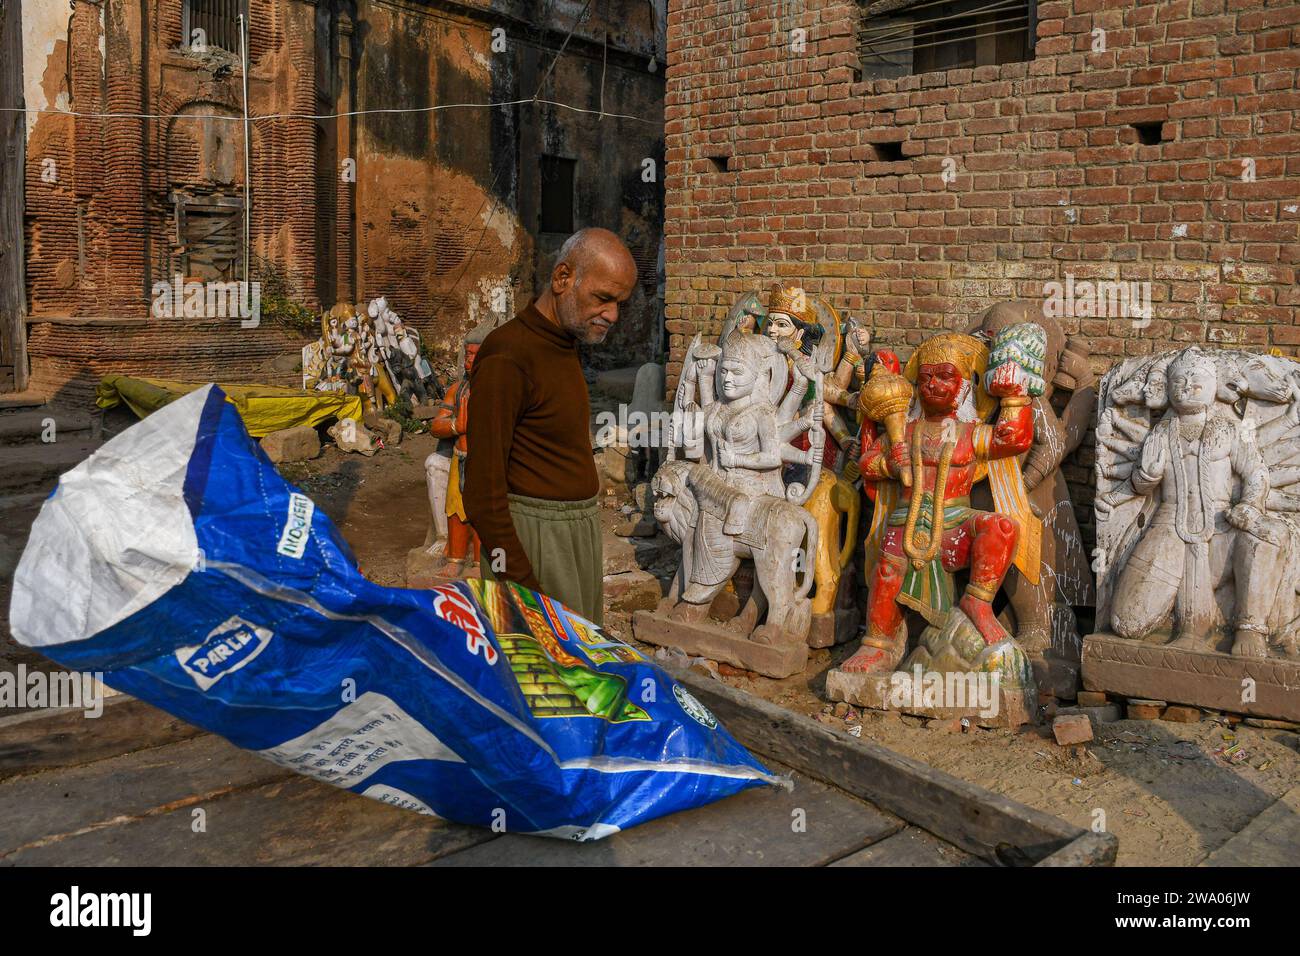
(360, 185)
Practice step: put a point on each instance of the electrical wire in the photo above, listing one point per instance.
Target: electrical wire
(257, 117)
(901, 28)
(488, 193)
(952, 40)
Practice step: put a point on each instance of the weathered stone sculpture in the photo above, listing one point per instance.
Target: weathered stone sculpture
(1198, 542)
(399, 349)
(726, 500)
(801, 325)
(1043, 612)
(924, 529)
(647, 413)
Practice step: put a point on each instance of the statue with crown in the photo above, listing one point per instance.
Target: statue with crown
(958, 414)
(745, 458)
(810, 334)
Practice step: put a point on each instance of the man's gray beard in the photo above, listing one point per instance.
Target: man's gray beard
(569, 322)
(577, 328)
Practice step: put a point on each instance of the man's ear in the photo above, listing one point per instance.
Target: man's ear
(561, 278)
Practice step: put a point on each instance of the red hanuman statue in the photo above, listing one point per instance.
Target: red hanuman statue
(933, 532)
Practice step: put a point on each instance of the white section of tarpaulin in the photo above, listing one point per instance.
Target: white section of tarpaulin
(116, 534)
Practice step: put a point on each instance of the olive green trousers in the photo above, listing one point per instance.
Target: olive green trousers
(563, 544)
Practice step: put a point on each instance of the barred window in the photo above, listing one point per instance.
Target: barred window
(902, 37)
(216, 19)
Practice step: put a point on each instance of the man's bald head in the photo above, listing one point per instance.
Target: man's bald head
(593, 273)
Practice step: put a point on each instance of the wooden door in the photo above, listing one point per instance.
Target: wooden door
(13, 136)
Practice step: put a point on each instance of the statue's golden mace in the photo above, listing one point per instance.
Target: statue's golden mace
(885, 398)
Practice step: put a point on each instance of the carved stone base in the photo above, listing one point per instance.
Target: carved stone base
(944, 677)
(719, 644)
(1210, 680)
(861, 690)
(877, 692)
(834, 628)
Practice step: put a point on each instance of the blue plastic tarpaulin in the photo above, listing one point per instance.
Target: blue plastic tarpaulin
(177, 562)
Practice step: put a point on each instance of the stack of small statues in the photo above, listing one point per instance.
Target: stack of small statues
(972, 562)
(368, 350)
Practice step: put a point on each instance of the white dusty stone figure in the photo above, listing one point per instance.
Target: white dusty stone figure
(1198, 453)
(437, 470)
(726, 500)
(646, 414)
(397, 349)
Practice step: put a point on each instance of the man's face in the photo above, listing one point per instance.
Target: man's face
(470, 352)
(587, 305)
(939, 386)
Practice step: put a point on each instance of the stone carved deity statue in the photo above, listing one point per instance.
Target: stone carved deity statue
(1197, 516)
(722, 495)
(805, 326)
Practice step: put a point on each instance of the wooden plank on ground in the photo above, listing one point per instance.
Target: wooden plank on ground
(910, 847)
(48, 807)
(993, 827)
(753, 828)
(290, 822)
(1091, 849)
(1271, 839)
(66, 737)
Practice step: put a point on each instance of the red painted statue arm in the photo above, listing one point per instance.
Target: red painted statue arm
(1013, 432)
(873, 464)
(448, 422)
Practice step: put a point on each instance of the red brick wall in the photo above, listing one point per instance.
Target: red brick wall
(1050, 176)
(413, 227)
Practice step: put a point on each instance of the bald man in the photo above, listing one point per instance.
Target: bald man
(530, 479)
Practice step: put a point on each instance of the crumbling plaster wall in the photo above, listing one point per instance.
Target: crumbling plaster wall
(450, 199)
(444, 200)
(100, 220)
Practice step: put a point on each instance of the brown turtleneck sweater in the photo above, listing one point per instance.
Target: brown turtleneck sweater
(529, 432)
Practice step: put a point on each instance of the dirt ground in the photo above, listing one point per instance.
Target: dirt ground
(1157, 785)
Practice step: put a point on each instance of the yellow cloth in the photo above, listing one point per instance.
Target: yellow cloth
(264, 408)
(455, 503)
